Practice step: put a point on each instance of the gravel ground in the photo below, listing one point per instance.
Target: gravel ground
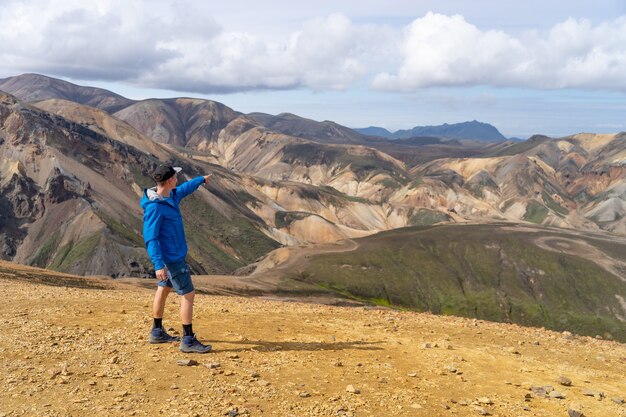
(78, 347)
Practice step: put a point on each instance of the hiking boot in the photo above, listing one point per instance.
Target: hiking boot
(159, 335)
(190, 344)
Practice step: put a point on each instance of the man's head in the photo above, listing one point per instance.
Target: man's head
(165, 173)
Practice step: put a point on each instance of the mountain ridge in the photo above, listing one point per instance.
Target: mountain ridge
(35, 87)
(472, 130)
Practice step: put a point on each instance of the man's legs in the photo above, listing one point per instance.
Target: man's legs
(158, 306)
(189, 343)
(158, 334)
(182, 283)
(186, 308)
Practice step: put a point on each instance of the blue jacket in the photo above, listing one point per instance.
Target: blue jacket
(163, 231)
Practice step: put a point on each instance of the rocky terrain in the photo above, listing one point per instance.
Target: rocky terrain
(78, 346)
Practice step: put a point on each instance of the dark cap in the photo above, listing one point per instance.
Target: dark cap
(165, 172)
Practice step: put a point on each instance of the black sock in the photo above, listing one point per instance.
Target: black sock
(158, 323)
(187, 331)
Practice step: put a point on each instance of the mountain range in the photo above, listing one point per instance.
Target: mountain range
(473, 130)
(74, 162)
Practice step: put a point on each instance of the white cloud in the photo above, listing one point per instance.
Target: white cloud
(93, 40)
(327, 53)
(180, 45)
(444, 50)
(175, 45)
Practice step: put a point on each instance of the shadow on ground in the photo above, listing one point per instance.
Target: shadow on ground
(267, 346)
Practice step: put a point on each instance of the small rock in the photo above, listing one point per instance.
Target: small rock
(54, 373)
(412, 374)
(114, 359)
(233, 413)
(255, 374)
(353, 389)
(214, 365)
(541, 391)
(567, 335)
(174, 386)
(232, 356)
(483, 411)
(187, 362)
(263, 382)
(591, 393)
(485, 400)
(617, 400)
(565, 381)
(574, 413)
(304, 394)
(556, 394)
(417, 406)
(427, 345)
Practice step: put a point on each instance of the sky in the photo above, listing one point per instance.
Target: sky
(527, 67)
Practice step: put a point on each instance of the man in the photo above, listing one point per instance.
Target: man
(164, 237)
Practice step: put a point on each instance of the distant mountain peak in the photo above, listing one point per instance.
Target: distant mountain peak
(32, 87)
(473, 130)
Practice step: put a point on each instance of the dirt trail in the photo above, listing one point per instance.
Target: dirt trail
(78, 346)
(584, 250)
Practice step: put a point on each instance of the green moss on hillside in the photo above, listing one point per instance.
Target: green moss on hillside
(329, 195)
(363, 166)
(220, 244)
(142, 180)
(553, 205)
(477, 271)
(416, 182)
(285, 218)
(42, 258)
(130, 232)
(74, 253)
(427, 217)
(535, 212)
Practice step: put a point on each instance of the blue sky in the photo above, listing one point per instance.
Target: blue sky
(550, 67)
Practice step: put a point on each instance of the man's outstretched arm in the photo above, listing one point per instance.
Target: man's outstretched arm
(190, 186)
